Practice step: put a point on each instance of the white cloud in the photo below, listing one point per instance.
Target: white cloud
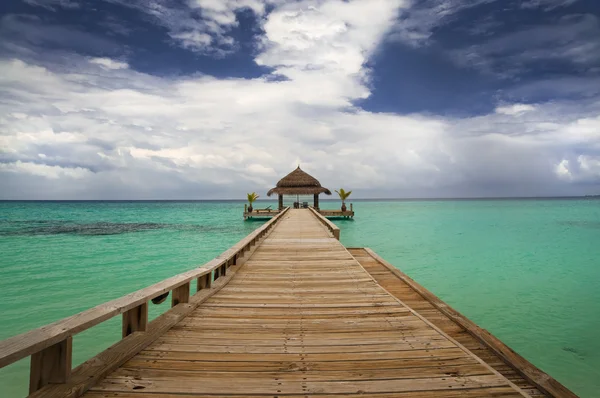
(562, 170)
(125, 134)
(53, 4)
(193, 40)
(417, 23)
(109, 63)
(547, 4)
(202, 26)
(43, 170)
(515, 109)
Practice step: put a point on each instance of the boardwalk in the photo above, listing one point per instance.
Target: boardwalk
(302, 317)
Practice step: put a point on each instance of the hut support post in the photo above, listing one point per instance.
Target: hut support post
(280, 202)
(316, 204)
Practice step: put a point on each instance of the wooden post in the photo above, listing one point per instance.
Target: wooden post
(209, 279)
(217, 273)
(280, 202)
(51, 365)
(181, 294)
(135, 320)
(316, 203)
(202, 282)
(245, 207)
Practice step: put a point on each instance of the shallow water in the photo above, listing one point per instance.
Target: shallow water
(527, 270)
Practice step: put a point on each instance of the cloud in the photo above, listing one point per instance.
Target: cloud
(574, 40)
(77, 130)
(416, 24)
(43, 170)
(53, 5)
(515, 109)
(33, 37)
(202, 26)
(547, 5)
(109, 63)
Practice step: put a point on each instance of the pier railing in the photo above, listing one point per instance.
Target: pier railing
(334, 229)
(50, 346)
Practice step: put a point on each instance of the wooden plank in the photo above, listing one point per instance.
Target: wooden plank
(180, 295)
(334, 229)
(497, 392)
(270, 386)
(203, 282)
(530, 372)
(51, 365)
(135, 320)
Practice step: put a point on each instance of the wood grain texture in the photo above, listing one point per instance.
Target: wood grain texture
(51, 365)
(135, 320)
(302, 317)
(334, 229)
(478, 340)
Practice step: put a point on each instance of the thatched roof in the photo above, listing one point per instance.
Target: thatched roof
(298, 183)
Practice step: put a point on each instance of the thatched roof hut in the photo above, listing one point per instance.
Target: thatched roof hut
(298, 182)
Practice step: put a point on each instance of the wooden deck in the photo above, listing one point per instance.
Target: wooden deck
(272, 213)
(302, 317)
(288, 311)
(337, 213)
(478, 341)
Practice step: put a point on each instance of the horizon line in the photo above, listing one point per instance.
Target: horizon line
(323, 199)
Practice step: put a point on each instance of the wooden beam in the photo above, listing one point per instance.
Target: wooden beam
(334, 229)
(202, 282)
(51, 365)
(181, 294)
(209, 280)
(135, 320)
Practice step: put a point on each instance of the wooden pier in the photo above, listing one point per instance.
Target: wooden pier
(288, 311)
(263, 213)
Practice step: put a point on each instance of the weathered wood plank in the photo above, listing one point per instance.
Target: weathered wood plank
(527, 370)
(181, 295)
(51, 365)
(135, 320)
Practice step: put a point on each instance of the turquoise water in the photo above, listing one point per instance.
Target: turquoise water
(527, 270)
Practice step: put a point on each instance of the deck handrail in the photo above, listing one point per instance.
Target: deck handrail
(334, 229)
(50, 346)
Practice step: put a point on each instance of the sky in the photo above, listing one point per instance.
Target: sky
(209, 99)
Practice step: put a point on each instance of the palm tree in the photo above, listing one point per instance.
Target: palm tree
(251, 198)
(343, 196)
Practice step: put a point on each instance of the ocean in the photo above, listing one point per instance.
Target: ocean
(527, 270)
